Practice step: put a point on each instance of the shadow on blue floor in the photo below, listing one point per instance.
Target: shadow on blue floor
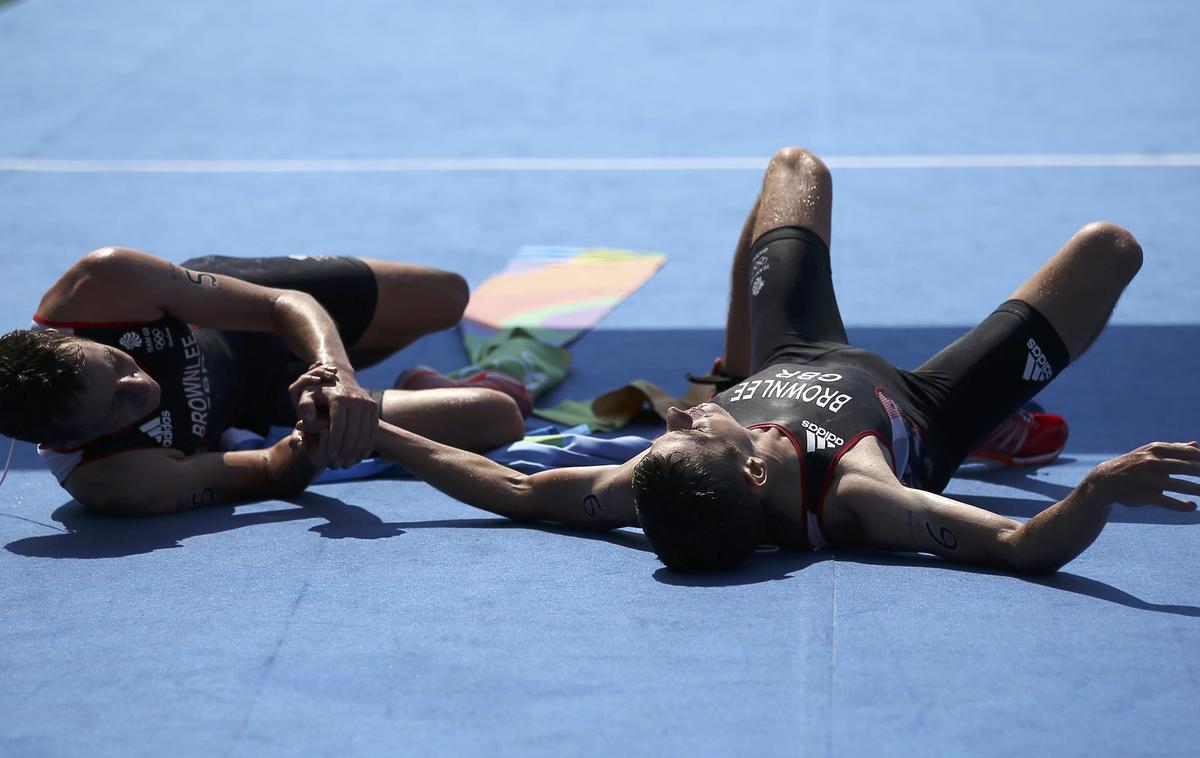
(87, 535)
(784, 564)
(1061, 580)
(90, 536)
(1027, 479)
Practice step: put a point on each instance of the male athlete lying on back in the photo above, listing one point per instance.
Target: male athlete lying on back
(826, 444)
(136, 366)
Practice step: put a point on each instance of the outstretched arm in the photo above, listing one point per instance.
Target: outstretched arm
(591, 497)
(895, 517)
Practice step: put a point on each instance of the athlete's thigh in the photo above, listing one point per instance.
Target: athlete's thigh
(413, 300)
(1078, 287)
(789, 279)
(966, 389)
(792, 302)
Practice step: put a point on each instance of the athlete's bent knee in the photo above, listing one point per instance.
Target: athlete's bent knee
(452, 297)
(1118, 248)
(797, 160)
(457, 294)
(498, 419)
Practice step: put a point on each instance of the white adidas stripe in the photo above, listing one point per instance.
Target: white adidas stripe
(817, 442)
(1034, 372)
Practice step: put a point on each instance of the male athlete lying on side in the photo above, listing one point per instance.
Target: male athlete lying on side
(135, 367)
(827, 444)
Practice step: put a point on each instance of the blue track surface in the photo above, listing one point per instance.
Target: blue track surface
(382, 617)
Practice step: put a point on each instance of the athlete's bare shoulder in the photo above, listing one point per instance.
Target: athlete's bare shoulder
(119, 476)
(863, 473)
(104, 285)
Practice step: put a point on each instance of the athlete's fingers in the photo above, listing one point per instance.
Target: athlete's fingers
(372, 433)
(337, 430)
(355, 434)
(370, 426)
(1182, 468)
(323, 449)
(366, 430)
(318, 449)
(367, 426)
(1175, 450)
(1182, 486)
(307, 380)
(1174, 504)
(1189, 452)
(306, 409)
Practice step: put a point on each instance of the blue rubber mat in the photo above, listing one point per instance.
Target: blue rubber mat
(384, 618)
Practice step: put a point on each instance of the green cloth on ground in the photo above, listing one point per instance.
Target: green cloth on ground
(516, 352)
(540, 367)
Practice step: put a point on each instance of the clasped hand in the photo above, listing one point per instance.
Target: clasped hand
(338, 420)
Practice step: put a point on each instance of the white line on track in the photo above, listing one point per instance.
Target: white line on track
(414, 165)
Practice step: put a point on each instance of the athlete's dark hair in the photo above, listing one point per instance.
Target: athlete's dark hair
(697, 518)
(41, 381)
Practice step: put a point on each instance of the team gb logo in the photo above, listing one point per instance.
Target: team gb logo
(130, 340)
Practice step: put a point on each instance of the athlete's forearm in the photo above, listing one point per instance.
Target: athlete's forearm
(1057, 535)
(289, 471)
(465, 476)
(310, 332)
(278, 471)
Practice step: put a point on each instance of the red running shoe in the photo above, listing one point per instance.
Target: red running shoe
(424, 378)
(1026, 438)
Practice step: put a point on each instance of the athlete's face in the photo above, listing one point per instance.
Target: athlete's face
(116, 392)
(704, 430)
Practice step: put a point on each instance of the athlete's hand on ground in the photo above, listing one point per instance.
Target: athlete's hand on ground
(1144, 476)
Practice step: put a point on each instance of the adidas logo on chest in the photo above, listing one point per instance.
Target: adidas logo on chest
(160, 429)
(820, 438)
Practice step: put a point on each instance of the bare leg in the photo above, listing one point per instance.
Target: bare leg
(1078, 287)
(797, 190)
(468, 418)
(737, 323)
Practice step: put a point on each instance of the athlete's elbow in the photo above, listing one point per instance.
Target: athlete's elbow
(103, 267)
(111, 258)
(290, 307)
(519, 498)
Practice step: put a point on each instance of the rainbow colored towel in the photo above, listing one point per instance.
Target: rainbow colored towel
(555, 294)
